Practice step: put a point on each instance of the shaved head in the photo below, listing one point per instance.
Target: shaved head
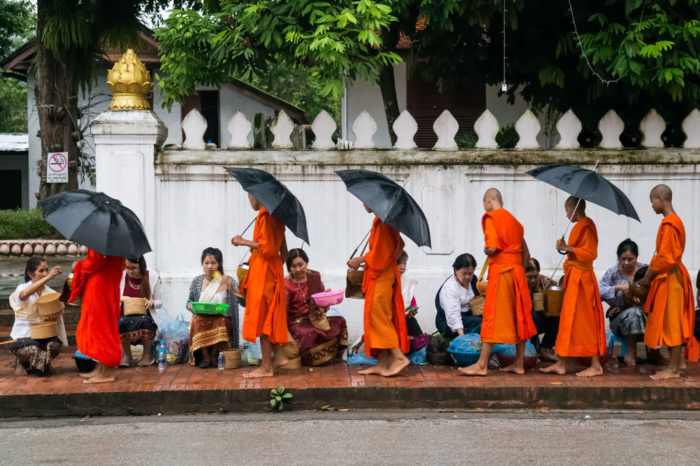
(663, 192)
(571, 201)
(493, 194)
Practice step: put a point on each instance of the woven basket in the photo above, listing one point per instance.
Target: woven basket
(232, 358)
(49, 306)
(290, 349)
(242, 272)
(134, 306)
(43, 330)
(538, 302)
(554, 298)
(294, 363)
(476, 304)
(481, 287)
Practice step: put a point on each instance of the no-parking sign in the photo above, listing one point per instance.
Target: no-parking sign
(57, 167)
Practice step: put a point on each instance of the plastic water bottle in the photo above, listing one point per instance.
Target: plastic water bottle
(221, 361)
(162, 353)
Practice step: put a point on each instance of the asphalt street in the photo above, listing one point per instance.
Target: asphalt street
(572, 438)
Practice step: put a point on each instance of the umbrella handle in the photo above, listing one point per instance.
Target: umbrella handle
(360, 244)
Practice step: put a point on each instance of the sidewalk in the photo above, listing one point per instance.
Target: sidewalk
(187, 389)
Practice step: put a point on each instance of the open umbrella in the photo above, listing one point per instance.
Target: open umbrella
(97, 221)
(586, 184)
(392, 204)
(275, 196)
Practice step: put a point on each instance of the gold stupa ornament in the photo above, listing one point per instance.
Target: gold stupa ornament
(130, 83)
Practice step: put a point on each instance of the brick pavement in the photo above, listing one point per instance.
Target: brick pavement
(185, 389)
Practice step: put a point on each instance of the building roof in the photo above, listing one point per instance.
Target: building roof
(14, 142)
(18, 64)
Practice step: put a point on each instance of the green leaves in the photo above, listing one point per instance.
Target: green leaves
(278, 398)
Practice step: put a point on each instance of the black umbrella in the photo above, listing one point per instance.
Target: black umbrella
(588, 185)
(97, 221)
(392, 204)
(275, 196)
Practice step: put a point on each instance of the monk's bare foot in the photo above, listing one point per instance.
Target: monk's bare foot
(666, 374)
(145, 361)
(547, 355)
(372, 370)
(259, 372)
(590, 372)
(556, 368)
(100, 379)
(514, 368)
(630, 359)
(474, 369)
(395, 367)
(279, 359)
(20, 370)
(683, 364)
(93, 373)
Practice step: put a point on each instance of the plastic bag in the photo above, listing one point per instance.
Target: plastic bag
(417, 358)
(509, 350)
(361, 358)
(252, 354)
(175, 333)
(469, 343)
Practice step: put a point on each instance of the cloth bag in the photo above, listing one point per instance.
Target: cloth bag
(355, 277)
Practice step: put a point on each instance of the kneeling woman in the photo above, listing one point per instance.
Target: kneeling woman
(320, 338)
(139, 282)
(34, 354)
(210, 334)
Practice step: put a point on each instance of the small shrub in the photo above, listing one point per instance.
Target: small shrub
(24, 224)
(279, 399)
(466, 140)
(507, 137)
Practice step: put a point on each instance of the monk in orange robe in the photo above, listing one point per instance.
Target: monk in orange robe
(96, 279)
(507, 314)
(669, 303)
(385, 316)
(265, 311)
(581, 324)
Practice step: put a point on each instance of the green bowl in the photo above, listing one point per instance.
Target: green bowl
(217, 309)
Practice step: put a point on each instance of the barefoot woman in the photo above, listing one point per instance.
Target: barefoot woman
(265, 311)
(385, 319)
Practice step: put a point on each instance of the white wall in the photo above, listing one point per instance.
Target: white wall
(198, 205)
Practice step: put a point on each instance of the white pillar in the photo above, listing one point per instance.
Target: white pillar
(125, 145)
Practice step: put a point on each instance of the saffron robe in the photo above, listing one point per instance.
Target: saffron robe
(96, 279)
(385, 316)
(265, 311)
(670, 299)
(507, 314)
(582, 320)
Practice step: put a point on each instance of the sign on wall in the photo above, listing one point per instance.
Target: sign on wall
(57, 167)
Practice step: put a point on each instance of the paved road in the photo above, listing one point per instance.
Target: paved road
(571, 438)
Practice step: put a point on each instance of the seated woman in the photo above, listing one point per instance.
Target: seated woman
(454, 317)
(139, 282)
(320, 338)
(416, 337)
(29, 353)
(210, 334)
(627, 319)
(548, 325)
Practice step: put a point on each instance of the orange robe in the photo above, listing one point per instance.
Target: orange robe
(670, 299)
(582, 320)
(265, 310)
(385, 316)
(96, 279)
(507, 314)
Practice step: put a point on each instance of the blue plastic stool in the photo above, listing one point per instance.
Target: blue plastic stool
(612, 339)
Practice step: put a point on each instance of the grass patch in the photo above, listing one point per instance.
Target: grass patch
(25, 224)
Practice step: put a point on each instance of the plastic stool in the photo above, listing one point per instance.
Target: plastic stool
(612, 339)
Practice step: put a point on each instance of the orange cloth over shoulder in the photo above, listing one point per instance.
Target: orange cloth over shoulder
(670, 300)
(507, 314)
(582, 320)
(96, 279)
(265, 310)
(385, 318)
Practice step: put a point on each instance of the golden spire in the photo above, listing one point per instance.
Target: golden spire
(130, 82)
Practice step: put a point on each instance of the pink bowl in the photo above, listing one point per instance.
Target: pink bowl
(328, 298)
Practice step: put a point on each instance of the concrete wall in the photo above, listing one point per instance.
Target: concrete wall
(198, 205)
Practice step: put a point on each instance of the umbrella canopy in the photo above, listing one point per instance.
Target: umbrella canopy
(97, 221)
(275, 196)
(392, 204)
(588, 185)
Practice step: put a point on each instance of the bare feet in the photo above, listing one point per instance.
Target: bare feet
(259, 372)
(145, 361)
(556, 368)
(666, 374)
(683, 365)
(279, 359)
(630, 359)
(514, 368)
(20, 370)
(547, 355)
(474, 369)
(591, 371)
(372, 370)
(126, 362)
(395, 367)
(93, 373)
(100, 379)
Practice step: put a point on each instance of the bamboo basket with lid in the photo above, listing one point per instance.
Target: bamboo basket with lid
(49, 306)
(232, 358)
